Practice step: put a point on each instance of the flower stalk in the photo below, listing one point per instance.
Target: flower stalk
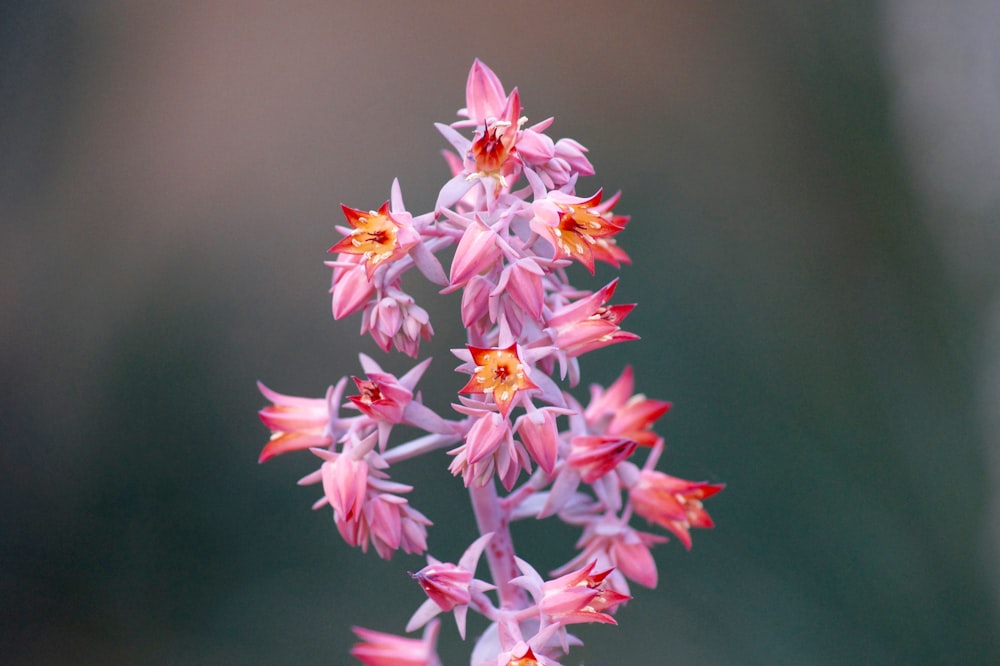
(519, 439)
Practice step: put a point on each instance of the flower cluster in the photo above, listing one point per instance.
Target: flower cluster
(515, 223)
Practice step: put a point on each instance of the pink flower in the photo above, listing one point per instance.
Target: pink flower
(593, 456)
(367, 507)
(573, 225)
(476, 304)
(674, 503)
(379, 649)
(576, 597)
(587, 324)
(611, 542)
(484, 95)
(450, 587)
(580, 596)
(382, 397)
(298, 423)
(498, 373)
(489, 449)
(476, 252)
(379, 237)
(617, 412)
(537, 430)
(396, 319)
(351, 287)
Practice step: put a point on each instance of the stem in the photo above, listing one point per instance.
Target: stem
(500, 550)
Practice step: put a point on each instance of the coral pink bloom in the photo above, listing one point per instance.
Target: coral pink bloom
(379, 649)
(498, 373)
(379, 237)
(617, 412)
(489, 449)
(345, 484)
(572, 225)
(476, 304)
(540, 436)
(588, 324)
(296, 423)
(351, 288)
(613, 543)
(593, 456)
(674, 503)
(580, 596)
(450, 587)
(476, 252)
(382, 397)
(522, 281)
(367, 506)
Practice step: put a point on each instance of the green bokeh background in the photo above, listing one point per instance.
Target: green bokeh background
(169, 181)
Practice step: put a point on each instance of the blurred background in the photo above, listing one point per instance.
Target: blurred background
(815, 199)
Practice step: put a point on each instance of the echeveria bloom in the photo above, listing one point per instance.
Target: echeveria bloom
(297, 423)
(379, 237)
(593, 456)
(573, 224)
(617, 412)
(498, 373)
(450, 587)
(380, 649)
(674, 503)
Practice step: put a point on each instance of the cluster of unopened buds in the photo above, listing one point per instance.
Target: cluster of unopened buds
(511, 214)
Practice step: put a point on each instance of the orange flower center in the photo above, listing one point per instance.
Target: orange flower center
(499, 373)
(491, 150)
(374, 236)
(580, 226)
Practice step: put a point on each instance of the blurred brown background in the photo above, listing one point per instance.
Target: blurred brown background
(814, 197)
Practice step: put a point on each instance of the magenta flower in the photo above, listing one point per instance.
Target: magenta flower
(379, 649)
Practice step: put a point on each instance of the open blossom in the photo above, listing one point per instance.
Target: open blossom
(380, 649)
(589, 324)
(617, 412)
(578, 596)
(379, 237)
(674, 503)
(575, 225)
(498, 373)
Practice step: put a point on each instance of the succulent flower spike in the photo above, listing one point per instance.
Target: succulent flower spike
(511, 224)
